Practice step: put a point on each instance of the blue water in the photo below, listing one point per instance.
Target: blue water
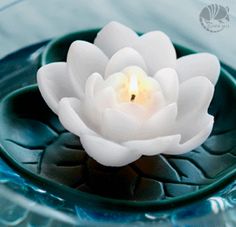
(217, 203)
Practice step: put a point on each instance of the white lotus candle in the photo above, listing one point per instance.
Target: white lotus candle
(127, 97)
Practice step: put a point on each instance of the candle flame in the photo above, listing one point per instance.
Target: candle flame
(133, 87)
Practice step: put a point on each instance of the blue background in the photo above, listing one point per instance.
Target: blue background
(23, 22)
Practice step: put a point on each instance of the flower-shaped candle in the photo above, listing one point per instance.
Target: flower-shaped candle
(126, 96)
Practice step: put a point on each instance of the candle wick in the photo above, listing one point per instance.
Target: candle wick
(132, 97)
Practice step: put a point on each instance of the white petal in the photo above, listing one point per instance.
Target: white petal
(93, 108)
(69, 114)
(107, 152)
(168, 80)
(83, 59)
(190, 126)
(201, 64)
(195, 96)
(195, 141)
(169, 144)
(157, 51)
(161, 123)
(115, 80)
(53, 84)
(96, 99)
(118, 126)
(106, 98)
(93, 84)
(122, 59)
(153, 146)
(194, 99)
(134, 110)
(113, 37)
(158, 102)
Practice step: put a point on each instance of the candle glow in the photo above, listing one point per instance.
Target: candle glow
(133, 87)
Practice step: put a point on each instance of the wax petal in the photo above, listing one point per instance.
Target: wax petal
(161, 123)
(53, 84)
(157, 51)
(153, 146)
(115, 80)
(83, 59)
(106, 98)
(168, 80)
(169, 144)
(69, 113)
(194, 99)
(118, 126)
(195, 96)
(201, 64)
(113, 37)
(191, 125)
(93, 84)
(93, 108)
(158, 102)
(122, 59)
(195, 141)
(134, 110)
(106, 152)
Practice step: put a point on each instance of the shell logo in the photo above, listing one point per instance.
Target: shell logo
(214, 17)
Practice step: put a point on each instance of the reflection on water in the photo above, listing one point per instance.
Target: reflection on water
(198, 213)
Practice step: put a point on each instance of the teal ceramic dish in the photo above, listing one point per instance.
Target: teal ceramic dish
(34, 142)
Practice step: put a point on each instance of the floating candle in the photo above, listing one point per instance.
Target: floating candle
(127, 97)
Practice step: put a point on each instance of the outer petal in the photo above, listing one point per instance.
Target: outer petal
(113, 37)
(153, 146)
(119, 126)
(194, 99)
(157, 51)
(169, 144)
(195, 141)
(70, 116)
(169, 82)
(195, 96)
(202, 64)
(53, 84)
(107, 152)
(122, 59)
(83, 59)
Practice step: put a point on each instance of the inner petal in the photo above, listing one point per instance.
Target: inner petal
(131, 92)
(118, 126)
(93, 107)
